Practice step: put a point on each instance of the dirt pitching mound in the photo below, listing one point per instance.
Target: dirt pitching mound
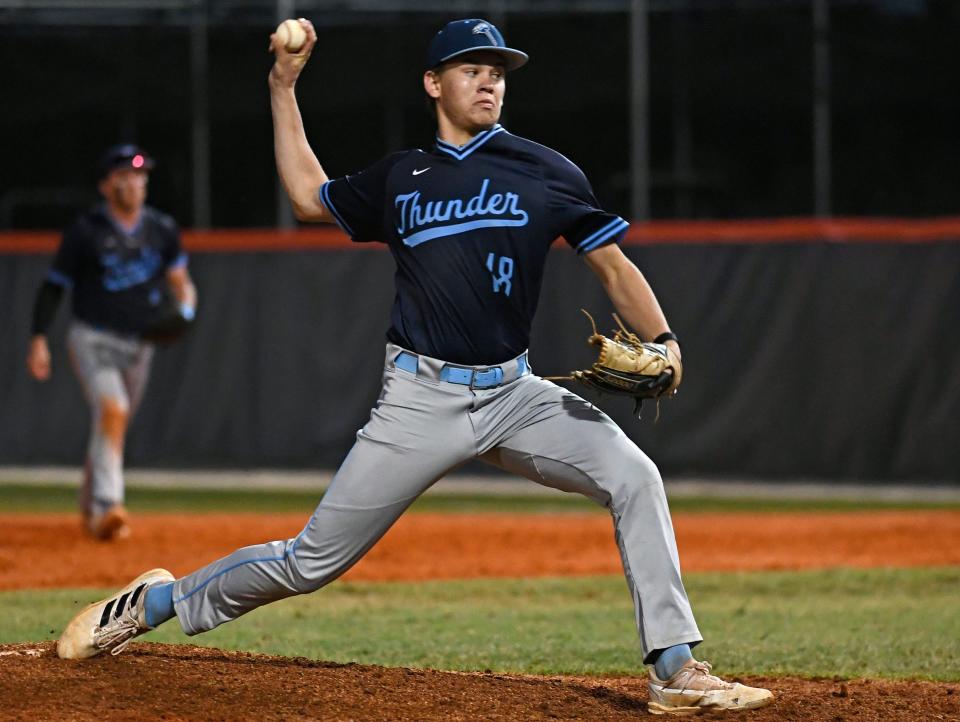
(153, 681)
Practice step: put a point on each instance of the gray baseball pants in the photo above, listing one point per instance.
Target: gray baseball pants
(113, 372)
(420, 429)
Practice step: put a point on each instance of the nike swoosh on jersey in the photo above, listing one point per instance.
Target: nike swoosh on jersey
(418, 172)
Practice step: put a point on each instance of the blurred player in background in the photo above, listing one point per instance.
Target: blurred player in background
(123, 264)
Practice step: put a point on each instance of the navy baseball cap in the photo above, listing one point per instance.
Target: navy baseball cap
(125, 155)
(464, 36)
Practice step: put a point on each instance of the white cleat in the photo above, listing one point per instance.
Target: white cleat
(693, 690)
(110, 624)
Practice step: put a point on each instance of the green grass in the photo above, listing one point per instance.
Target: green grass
(28, 498)
(64, 499)
(896, 623)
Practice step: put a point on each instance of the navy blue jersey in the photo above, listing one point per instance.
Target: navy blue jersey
(117, 277)
(469, 228)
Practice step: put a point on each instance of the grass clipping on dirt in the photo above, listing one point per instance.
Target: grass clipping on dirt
(893, 623)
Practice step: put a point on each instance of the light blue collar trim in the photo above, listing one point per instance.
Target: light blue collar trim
(462, 151)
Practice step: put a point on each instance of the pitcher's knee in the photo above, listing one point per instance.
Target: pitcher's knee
(312, 567)
(632, 474)
(307, 583)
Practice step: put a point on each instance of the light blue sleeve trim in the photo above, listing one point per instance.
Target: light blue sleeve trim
(606, 238)
(325, 197)
(598, 238)
(179, 262)
(60, 279)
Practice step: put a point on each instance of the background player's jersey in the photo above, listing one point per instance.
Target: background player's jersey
(469, 228)
(117, 277)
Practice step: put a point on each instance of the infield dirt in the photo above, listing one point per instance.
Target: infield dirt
(51, 551)
(173, 682)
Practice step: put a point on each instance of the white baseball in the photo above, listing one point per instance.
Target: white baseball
(292, 35)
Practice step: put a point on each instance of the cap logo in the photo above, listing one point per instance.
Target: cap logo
(484, 29)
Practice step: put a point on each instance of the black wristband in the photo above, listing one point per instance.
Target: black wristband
(666, 336)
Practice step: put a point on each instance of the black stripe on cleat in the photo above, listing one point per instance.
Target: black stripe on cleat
(136, 594)
(105, 616)
(121, 605)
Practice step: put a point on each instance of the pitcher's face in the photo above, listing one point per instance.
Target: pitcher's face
(469, 91)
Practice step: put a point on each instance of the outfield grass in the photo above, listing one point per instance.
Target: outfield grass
(896, 623)
(30, 498)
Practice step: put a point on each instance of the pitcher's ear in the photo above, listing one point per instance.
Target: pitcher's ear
(431, 83)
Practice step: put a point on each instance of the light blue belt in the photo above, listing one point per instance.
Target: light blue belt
(465, 376)
(471, 377)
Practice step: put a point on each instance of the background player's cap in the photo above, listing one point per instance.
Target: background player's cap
(125, 155)
(463, 36)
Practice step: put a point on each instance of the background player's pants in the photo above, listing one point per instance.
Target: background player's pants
(113, 372)
(420, 429)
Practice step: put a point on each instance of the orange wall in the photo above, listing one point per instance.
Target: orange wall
(781, 230)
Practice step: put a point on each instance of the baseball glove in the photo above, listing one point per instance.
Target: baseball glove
(168, 324)
(627, 366)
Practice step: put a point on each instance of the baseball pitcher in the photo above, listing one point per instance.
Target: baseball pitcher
(469, 223)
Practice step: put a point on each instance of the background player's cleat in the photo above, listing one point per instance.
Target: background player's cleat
(110, 624)
(111, 524)
(693, 690)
